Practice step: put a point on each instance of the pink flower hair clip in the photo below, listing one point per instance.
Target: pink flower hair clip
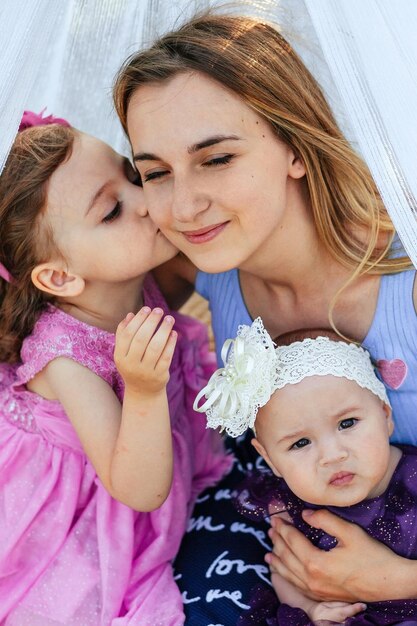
(30, 119)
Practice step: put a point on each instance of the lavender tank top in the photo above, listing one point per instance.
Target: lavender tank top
(391, 338)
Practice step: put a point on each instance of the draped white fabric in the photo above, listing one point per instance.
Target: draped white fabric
(371, 50)
(64, 55)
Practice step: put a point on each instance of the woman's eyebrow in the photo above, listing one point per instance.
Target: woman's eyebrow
(211, 141)
(205, 143)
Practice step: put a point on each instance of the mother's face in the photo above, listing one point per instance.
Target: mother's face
(217, 181)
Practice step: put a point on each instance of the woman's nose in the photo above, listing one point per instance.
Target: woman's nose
(188, 202)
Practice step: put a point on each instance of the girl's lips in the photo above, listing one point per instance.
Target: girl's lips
(341, 478)
(204, 234)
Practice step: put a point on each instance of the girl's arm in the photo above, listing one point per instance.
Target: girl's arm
(130, 446)
(359, 568)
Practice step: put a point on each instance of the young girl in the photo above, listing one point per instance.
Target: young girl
(323, 428)
(99, 466)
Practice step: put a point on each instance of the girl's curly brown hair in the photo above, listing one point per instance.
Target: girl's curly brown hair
(25, 238)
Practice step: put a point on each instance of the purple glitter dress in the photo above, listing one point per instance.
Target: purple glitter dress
(390, 518)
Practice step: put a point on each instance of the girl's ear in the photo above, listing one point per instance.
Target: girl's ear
(264, 454)
(53, 279)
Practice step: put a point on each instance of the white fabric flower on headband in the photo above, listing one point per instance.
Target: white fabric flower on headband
(254, 369)
(235, 392)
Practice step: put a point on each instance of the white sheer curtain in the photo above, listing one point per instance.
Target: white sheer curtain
(64, 54)
(371, 50)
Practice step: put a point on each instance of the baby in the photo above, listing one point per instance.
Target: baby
(323, 422)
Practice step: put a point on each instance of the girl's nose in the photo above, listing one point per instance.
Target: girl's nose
(140, 206)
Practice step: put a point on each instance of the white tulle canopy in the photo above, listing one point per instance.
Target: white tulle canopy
(63, 55)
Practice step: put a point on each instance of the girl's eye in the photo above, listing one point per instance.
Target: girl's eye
(221, 160)
(347, 423)
(301, 443)
(154, 175)
(114, 214)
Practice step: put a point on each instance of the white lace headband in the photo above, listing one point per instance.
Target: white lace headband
(254, 369)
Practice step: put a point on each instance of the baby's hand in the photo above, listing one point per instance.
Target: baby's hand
(323, 613)
(143, 352)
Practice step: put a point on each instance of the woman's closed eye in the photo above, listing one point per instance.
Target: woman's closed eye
(155, 175)
(301, 443)
(114, 213)
(218, 160)
(347, 423)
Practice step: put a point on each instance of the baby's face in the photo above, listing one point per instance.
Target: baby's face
(329, 439)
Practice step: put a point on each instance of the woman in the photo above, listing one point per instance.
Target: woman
(245, 170)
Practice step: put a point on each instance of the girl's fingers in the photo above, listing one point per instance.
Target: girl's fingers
(158, 343)
(144, 334)
(165, 359)
(126, 321)
(128, 328)
(140, 332)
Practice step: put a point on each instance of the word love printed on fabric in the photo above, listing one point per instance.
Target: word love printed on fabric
(229, 580)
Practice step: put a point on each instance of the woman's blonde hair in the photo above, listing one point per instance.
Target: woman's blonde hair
(253, 60)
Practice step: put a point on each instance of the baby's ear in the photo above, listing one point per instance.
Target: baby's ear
(53, 279)
(264, 454)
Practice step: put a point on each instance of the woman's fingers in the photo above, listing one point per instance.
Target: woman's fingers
(284, 561)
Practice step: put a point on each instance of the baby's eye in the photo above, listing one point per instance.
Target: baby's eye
(347, 423)
(155, 175)
(301, 443)
(220, 160)
(114, 214)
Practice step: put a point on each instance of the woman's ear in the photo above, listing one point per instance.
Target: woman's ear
(53, 279)
(263, 453)
(297, 168)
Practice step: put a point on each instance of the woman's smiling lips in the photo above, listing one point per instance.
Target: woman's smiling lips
(202, 235)
(341, 478)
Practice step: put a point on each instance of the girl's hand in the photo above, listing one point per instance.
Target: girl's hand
(145, 344)
(359, 568)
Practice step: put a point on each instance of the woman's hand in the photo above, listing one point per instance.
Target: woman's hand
(359, 568)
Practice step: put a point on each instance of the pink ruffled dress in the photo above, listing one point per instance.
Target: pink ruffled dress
(69, 553)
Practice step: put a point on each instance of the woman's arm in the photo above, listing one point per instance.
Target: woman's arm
(359, 568)
(130, 446)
